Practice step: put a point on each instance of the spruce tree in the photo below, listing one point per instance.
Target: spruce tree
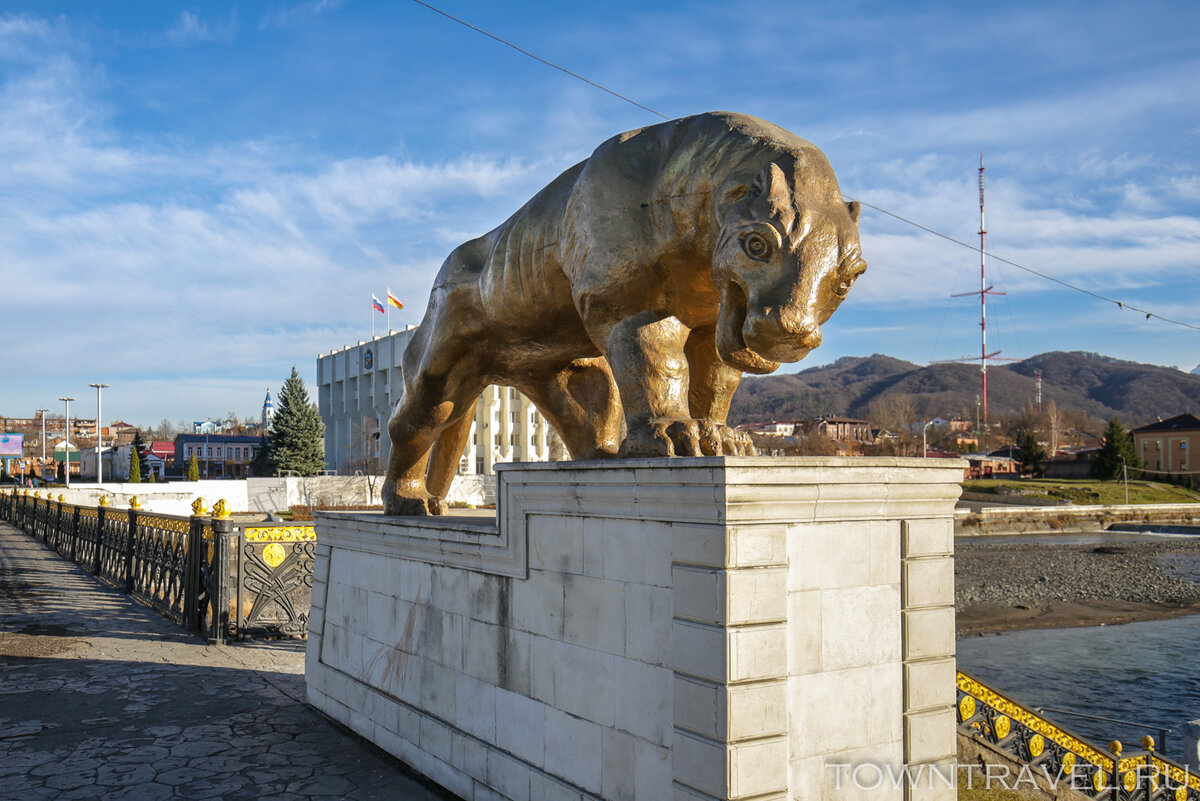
(135, 466)
(1031, 453)
(139, 456)
(1117, 443)
(193, 470)
(296, 440)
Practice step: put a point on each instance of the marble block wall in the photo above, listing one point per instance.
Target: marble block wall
(690, 629)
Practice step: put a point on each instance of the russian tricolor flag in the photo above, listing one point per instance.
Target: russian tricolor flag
(377, 303)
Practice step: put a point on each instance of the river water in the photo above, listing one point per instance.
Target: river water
(1145, 672)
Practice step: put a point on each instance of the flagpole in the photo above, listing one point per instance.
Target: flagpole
(389, 308)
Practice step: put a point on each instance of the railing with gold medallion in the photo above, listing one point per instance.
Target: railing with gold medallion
(1106, 773)
(225, 578)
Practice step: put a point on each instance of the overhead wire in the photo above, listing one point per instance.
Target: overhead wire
(540, 59)
(1119, 304)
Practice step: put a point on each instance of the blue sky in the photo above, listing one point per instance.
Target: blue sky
(195, 198)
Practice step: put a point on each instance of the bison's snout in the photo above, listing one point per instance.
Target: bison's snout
(781, 334)
(798, 330)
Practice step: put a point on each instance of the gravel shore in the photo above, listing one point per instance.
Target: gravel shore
(1003, 586)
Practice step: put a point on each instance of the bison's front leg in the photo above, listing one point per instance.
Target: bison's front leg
(711, 389)
(647, 357)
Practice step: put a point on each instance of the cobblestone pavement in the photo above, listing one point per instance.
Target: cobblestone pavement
(101, 698)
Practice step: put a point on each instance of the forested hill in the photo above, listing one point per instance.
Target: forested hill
(1100, 386)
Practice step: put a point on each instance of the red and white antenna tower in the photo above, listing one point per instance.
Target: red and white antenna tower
(984, 291)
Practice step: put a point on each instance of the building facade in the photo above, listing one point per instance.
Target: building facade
(845, 429)
(358, 386)
(217, 455)
(1166, 446)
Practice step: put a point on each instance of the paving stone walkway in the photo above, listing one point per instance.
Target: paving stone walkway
(101, 698)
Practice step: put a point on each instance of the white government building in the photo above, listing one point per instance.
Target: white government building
(358, 386)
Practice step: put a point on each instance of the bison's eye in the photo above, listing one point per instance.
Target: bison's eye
(757, 247)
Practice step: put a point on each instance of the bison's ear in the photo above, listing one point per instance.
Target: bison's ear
(769, 181)
(855, 210)
(770, 197)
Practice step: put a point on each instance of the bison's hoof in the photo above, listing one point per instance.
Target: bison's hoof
(718, 439)
(408, 507)
(664, 436)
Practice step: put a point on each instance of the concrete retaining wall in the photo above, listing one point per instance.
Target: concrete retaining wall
(1049, 519)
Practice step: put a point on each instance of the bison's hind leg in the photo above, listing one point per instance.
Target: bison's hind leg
(443, 464)
(581, 401)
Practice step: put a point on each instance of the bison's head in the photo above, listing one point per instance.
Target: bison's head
(786, 257)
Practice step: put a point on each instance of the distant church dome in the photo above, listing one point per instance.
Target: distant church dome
(268, 408)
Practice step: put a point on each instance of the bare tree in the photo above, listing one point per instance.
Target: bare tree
(896, 413)
(363, 454)
(1056, 424)
(814, 444)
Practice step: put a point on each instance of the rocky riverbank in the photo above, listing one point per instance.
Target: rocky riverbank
(1006, 586)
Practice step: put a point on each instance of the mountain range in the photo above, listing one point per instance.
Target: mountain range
(1098, 386)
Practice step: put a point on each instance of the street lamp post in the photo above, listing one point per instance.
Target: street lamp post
(925, 440)
(42, 412)
(99, 439)
(67, 441)
(1125, 474)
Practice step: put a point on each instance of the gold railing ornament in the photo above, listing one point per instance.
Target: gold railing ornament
(37, 493)
(1148, 743)
(199, 508)
(103, 500)
(62, 498)
(221, 509)
(135, 502)
(1115, 746)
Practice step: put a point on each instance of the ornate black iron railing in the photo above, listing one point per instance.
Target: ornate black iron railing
(1106, 773)
(209, 573)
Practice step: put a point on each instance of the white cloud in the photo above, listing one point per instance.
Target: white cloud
(286, 16)
(190, 29)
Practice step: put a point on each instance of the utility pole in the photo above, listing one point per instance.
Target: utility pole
(99, 438)
(984, 291)
(67, 442)
(42, 414)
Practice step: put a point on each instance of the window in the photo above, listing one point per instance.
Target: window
(209, 453)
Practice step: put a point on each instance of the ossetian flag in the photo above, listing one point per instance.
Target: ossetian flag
(395, 301)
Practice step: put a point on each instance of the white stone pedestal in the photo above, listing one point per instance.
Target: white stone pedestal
(712, 628)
